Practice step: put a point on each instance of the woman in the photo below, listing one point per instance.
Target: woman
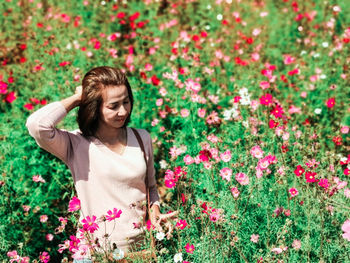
(103, 155)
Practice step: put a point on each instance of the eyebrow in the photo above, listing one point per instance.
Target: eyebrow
(116, 102)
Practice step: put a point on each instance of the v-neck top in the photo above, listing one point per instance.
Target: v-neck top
(103, 179)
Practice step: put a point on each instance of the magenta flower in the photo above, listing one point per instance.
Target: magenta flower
(90, 224)
(74, 204)
(323, 183)
(112, 215)
(293, 191)
(73, 243)
(44, 257)
(189, 248)
(182, 223)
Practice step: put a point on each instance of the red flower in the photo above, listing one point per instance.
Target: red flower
(121, 15)
(310, 177)
(299, 170)
(195, 38)
(250, 40)
(22, 60)
(134, 16)
(277, 111)
(273, 124)
(64, 63)
(337, 140)
(330, 102)
(155, 80)
(10, 97)
(205, 155)
(29, 106)
(293, 72)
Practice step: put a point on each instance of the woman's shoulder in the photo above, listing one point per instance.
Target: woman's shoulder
(143, 133)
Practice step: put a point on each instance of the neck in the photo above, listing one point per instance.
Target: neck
(111, 135)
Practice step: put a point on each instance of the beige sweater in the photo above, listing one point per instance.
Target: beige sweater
(103, 179)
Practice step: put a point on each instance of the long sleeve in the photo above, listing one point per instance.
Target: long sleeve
(41, 126)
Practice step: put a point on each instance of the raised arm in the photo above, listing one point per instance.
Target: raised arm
(41, 126)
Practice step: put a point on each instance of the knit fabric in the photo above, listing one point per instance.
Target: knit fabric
(102, 178)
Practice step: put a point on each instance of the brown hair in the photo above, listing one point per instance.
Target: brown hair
(93, 84)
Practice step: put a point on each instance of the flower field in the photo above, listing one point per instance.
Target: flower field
(247, 104)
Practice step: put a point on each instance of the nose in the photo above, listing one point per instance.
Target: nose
(122, 111)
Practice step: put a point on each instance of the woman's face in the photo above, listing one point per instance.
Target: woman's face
(116, 106)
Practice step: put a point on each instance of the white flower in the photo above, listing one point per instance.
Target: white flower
(303, 52)
(118, 253)
(245, 100)
(163, 164)
(323, 76)
(160, 236)
(178, 257)
(316, 55)
(208, 6)
(336, 8)
(69, 46)
(229, 1)
(318, 111)
(219, 17)
(325, 44)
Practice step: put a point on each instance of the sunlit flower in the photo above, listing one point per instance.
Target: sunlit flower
(112, 215)
(74, 204)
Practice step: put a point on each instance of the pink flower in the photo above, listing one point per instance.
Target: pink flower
(181, 224)
(226, 173)
(288, 59)
(235, 192)
(346, 228)
(256, 152)
(201, 113)
(242, 178)
(74, 204)
(184, 113)
(49, 237)
(189, 248)
(296, 244)
(38, 178)
(293, 191)
(254, 238)
(344, 129)
(43, 218)
(264, 84)
(188, 159)
(112, 215)
(90, 224)
(44, 257)
(226, 156)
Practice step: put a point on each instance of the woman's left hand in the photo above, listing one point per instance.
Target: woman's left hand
(156, 217)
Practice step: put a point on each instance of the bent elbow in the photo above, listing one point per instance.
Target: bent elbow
(32, 126)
